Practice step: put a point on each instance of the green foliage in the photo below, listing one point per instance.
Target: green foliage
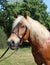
(37, 10)
(3, 38)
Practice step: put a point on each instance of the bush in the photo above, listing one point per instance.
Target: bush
(3, 38)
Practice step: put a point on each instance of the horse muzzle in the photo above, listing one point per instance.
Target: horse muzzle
(12, 44)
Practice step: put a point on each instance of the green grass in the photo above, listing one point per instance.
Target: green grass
(21, 57)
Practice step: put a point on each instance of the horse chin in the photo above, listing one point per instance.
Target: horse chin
(13, 48)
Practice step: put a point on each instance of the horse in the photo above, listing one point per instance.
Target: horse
(26, 28)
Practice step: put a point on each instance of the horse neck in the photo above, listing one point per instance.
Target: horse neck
(37, 30)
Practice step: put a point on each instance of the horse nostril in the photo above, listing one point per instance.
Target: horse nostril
(11, 43)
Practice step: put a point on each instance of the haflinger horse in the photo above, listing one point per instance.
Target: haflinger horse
(26, 28)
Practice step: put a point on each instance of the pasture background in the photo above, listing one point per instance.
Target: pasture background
(22, 56)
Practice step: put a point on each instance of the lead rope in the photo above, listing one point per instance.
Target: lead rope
(8, 56)
(4, 52)
(8, 47)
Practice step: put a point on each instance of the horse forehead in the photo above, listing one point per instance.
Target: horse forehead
(17, 20)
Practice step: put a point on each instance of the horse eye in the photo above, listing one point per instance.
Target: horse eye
(22, 26)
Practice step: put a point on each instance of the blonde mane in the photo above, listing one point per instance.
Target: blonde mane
(36, 29)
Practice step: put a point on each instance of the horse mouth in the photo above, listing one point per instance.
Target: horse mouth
(13, 48)
(12, 45)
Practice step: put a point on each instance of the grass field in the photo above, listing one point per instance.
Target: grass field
(21, 57)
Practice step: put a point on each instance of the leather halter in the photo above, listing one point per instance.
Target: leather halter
(21, 38)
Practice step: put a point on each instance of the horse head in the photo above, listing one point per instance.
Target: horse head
(20, 32)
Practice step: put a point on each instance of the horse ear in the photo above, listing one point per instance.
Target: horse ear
(15, 15)
(25, 15)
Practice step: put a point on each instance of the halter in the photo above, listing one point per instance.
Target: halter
(21, 38)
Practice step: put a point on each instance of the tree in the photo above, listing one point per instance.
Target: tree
(7, 12)
(34, 8)
(37, 10)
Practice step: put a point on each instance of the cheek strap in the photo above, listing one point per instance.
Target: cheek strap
(22, 38)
